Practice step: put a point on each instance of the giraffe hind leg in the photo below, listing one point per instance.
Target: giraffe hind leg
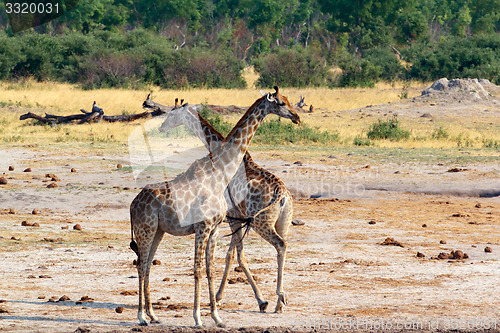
(152, 251)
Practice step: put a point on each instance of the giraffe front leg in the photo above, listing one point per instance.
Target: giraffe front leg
(227, 268)
(200, 244)
(210, 276)
(152, 251)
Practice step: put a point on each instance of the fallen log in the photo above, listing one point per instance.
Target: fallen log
(94, 116)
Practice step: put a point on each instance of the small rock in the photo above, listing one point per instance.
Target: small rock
(391, 241)
(64, 298)
(119, 309)
(65, 227)
(372, 222)
(53, 299)
(73, 170)
(53, 177)
(12, 211)
(2, 310)
(45, 277)
(488, 249)
(27, 170)
(134, 262)
(238, 269)
(31, 277)
(424, 225)
(420, 255)
(126, 188)
(457, 170)
(443, 255)
(52, 185)
(77, 227)
(165, 298)
(466, 256)
(41, 297)
(458, 255)
(3, 181)
(156, 262)
(119, 166)
(11, 168)
(298, 163)
(442, 241)
(231, 281)
(478, 205)
(298, 222)
(166, 279)
(35, 212)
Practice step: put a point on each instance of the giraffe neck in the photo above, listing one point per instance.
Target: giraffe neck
(228, 157)
(210, 137)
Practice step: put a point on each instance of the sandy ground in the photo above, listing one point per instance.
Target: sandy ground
(339, 276)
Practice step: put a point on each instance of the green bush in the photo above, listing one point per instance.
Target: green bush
(277, 132)
(222, 126)
(386, 60)
(358, 73)
(440, 133)
(387, 130)
(473, 57)
(291, 68)
(10, 55)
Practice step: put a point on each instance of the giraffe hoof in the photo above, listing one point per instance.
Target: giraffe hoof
(263, 306)
(143, 323)
(156, 321)
(221, 325)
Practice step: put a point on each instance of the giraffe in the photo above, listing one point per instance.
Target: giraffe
(194, 203)
(257, 188)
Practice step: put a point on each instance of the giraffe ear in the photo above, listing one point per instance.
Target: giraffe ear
(270, 98)
(263, 93)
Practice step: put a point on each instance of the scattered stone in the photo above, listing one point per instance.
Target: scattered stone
(488, 249)
(2, 310)
(128, 293)
(175, 307)
(466, 256)
(119, 309)
(238, 269)
(28, 224)
(231, 281)
(35, 212)
(82, 330)
(443, 255)
(166, 279)
(12, 211)
(458, 255)
(424, 225)
(460, 215)
(15, 239)
(3, 181)
(126, 188)
(11, 168)
(426, 115)
(119, 166)
(299, 163)
(53, 177)
(31, 277)
(77, 227)
(53, 299)
(64, 298)
(442, 241)
(478, 205)
(45, 277)
(27, 170)
(65, 227)
(372, 222)
(298, 222)
(52, 185)
(457, 170)
(420, 255)
(73, 170)
(134, 262)
(41, 297)
(391, 241)
(165, 298)
(156, 262)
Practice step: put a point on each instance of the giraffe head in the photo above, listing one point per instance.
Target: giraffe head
(280, 106)
(180, 115)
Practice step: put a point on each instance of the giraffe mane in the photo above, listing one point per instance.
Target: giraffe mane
(245, 116)
(210, 127)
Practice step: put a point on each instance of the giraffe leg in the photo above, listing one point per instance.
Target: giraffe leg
(280, 245)
(209, 258)
(147, 296)
(200, 244)
(229, 262)
(142, 270)
(236, 238)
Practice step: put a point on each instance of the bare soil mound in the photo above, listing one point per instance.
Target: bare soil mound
(463, 89)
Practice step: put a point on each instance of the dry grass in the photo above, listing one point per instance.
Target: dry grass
(62, 99)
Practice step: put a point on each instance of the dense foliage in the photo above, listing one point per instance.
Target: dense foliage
(192, 43)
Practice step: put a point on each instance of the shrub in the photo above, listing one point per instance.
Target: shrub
(440, 133)
(387, 130)
(10, 55)
(278, 132)
(473, 57)
(358, 73)
(291, 68)
(386, 60)
(215, 120)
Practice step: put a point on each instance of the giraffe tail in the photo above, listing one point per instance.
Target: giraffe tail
(247, 222)
(133, 244)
